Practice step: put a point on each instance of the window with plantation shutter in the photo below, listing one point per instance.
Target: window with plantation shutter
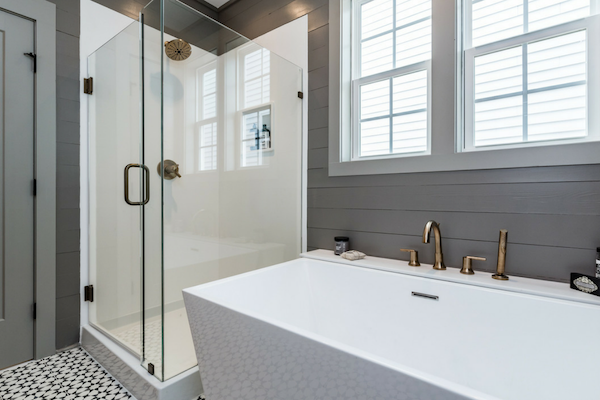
(254, 66)
(390, 78)
(456, 85)
(527, 72)
(206, 119)
(257, 78)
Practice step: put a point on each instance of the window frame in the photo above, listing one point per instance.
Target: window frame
(200, 121)
(356, 120)
(242, 109)
(446, 110)
(357, 83)
(214, 147)
(466, 138)
(242, 52)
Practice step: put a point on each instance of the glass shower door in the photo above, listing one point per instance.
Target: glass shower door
(115, 181)
(125, 191)
(151, 218)
(226, 113)
(195, 173)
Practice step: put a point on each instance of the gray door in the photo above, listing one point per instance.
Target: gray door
(16, 188)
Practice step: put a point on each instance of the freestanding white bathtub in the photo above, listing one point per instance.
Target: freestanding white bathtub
(310, 329)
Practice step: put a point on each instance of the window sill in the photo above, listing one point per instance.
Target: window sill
(558, 155)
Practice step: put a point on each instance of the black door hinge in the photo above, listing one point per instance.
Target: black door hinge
(88, 293)
(300, 95)
(34, 310)
(151, 368)
(35, 187)
(34, 58)
(88, 85)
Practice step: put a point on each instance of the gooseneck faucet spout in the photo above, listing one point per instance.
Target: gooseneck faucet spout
(439, 257)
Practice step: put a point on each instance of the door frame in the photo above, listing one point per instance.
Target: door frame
(44, 15)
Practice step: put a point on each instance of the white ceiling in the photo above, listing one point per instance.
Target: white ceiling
(217, 3)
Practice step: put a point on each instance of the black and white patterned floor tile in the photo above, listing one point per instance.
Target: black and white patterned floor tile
(70, 375)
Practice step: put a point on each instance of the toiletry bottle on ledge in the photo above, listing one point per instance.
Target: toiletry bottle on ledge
(598, 262)
(266, 134)
(342, 245)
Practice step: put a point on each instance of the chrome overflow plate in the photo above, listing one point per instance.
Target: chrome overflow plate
(170, 170)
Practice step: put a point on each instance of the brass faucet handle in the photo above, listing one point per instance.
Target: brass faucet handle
(477, 258)
(467, 268)
(175, 170)
(414, 257)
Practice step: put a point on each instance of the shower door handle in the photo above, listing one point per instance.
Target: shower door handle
(147, 174)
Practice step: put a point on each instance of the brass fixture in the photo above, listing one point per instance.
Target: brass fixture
(170, 170)
(467, 269)
(88, 85)
(178, 50)
(147, 185)
(501, 265)
(414, 257)
(439, 257)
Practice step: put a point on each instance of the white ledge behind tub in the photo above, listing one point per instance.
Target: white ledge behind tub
(516, 284)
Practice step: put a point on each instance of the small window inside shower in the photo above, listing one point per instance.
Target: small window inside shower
(256, 69)
(255, 107)
(205, 132)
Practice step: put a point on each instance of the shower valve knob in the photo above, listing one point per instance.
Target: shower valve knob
(174, 169)
(170, 170)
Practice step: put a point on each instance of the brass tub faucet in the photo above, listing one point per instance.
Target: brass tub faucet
(439, 257)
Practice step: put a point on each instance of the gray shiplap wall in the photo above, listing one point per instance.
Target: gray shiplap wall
(132, 8)
(67, 179)
(552, 214)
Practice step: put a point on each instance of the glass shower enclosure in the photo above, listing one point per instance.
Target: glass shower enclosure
(195, 153)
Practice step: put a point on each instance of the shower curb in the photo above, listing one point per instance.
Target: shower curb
(126, 368)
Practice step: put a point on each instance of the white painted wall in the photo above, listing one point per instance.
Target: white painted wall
(98, 25)
(257, 207)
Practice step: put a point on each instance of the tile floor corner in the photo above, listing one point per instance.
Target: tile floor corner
(69, 375)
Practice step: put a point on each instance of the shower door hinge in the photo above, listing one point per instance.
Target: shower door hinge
(35, 187)
(151, 368)
(300, 95)
(88, 293)
(34, 310)
(88, 85)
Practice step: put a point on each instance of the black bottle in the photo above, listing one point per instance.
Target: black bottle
(598, 262)
(266, 134)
